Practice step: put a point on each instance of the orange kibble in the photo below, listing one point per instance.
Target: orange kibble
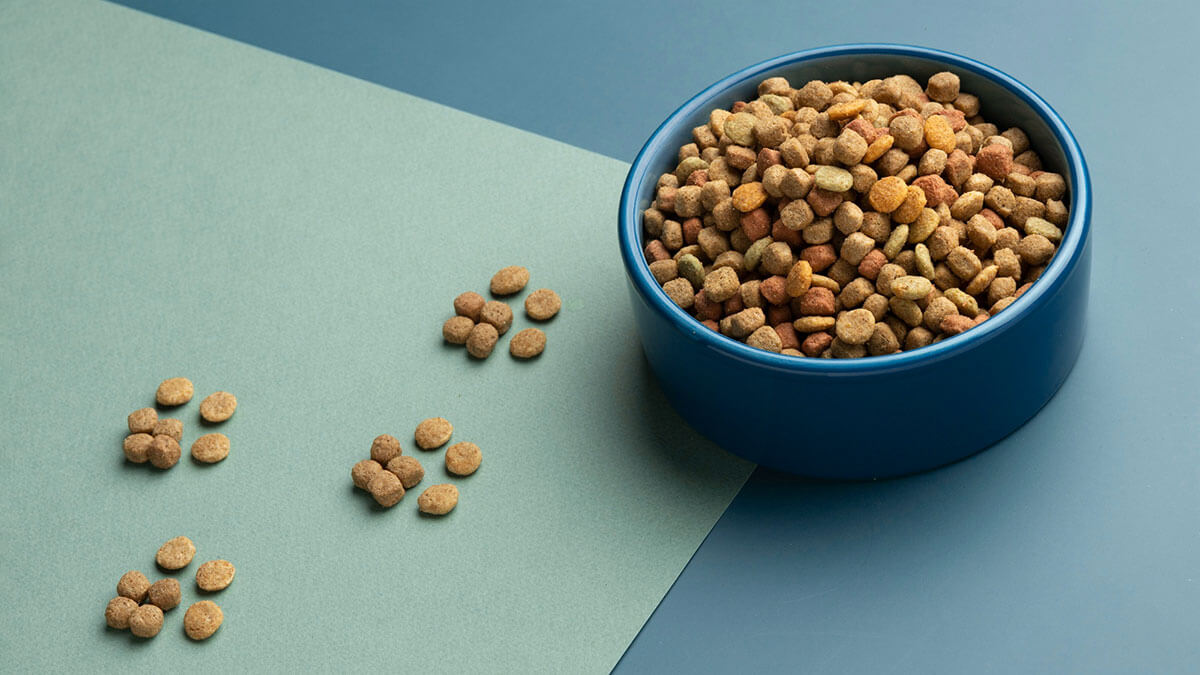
(887, 194)
(877, 147)
(842, 111)
(939, 134)
(749, 196)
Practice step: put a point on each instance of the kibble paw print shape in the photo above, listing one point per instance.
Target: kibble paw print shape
(478, 323)
(157, 441)
(389, 473)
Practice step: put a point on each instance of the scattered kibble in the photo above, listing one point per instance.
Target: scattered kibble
(527, 343)
(469, 304)
(168, 427)
(542, 304)
(482, 340)
(218, 406)
(438, 500)
(142, 421)
(133, 585)
(174, 391)
(165, 594)
(509, 280)
(407, 469)
(118, 611)
(214, 575)
(384, 448)
(462, 459)
(164, 451)
(176, 554)
(498, 314)
(137, 447)
(202, 619)
(146, 621)
(457, 329)
(210, 448)
(362, 473)
(433, 433)
(386, 488)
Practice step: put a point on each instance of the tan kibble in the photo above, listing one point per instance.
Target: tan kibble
(498, 314)
(218, 406)
(964, 263)
(137, 447)
(721, 284)
(164, 594)
(133, 585)
(765, 338)
(215, 575)
(509, 280)
(433, 433)
(168, 427)
(456, 329)
(142, 421)
(542, 304)
(462, 459)
(943, 87)
(911, 287)
(362, 472)
(527, 343)
(146, 621)
(384, 448)
(407, 469)
(164, 452)
(174, 391)
(118, 611)
(386, 488)
(680, 291)
(1035, 249)
(176, 554)
(438, 500)
(469, 305)
(855, 327)
(482, 339)
(202, 619)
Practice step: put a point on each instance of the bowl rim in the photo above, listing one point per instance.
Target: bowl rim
(1070, 250)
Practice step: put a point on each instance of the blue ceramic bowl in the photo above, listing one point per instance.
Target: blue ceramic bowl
(878, 416)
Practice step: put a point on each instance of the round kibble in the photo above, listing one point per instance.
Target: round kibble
(164, 594)
(384, 448)
(887, 194)
(362, 472)
(943, 87)
(164, 452)
(142, 421)
(469, 305)
(137, 447)
(215, 575)
(168, 427)
(176, 554)
(498, 314)
(833, 178)
(527, 343)
(509, 280)
(433, 433)
(118, 611)
(218, 406)
(482, 339)
(438, 500)
(855, 327)
(542, 304)
(407, 469)
(133, 585)
(462, 459)
(174, 391)
(721, 284)
(146, 621)
(210, 448)
(386, 488)
(202, 619)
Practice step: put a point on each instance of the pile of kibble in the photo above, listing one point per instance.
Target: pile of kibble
(389, 472)
(851, 219)
(157, 440)
(139, 604)
(479, 323)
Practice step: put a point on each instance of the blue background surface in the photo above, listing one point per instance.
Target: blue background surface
(1075, 543)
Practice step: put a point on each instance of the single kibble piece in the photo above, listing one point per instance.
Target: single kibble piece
(362, 472)
(462, 459)
(509, 280)
(438, 500)
(527, 343)
(133, 585)
(384, 448)
(218, 406)
(175, 391)
(498, 314)
(202, 619)
(137, 447)
(457, 329)
(542, 304)
(164, 452)
(407, 469)
(215, 575)
(433, 433)
(176, 554)
(481, 340)
(146, 621)
(118, 611)
(164, 594)
(469, 304)
(210, 448)
(142, 421)
(168, 427)
(855, 327)
(386, 488)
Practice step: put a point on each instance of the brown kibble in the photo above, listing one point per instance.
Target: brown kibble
(210, 448)
(142, 421)
(469, 304)
(218, 406)
(384, 448)
(887, 194)
(855, 327)
(462, 459)
(438, 500)
(457, 329)
(482, 339)
(527, 343)
(680, 291)
(174, 391)
(202, 619)
(817, 301)
(407, 469)
(168, 427)
(146, 621)
(509, 280)
(215, 575)
(164, 452)
(133, 585)
(164, 594)
(542, 304)
(498, 314)
(943, 87)
(137, 447)
(721, 284)
(433, 433)
(995, 161)
(955, 324)
(362, 472)
(176, 554)
(118, 611)
(386, 488)
(1035, 249)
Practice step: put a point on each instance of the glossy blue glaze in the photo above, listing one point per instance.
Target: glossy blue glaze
(879, 416)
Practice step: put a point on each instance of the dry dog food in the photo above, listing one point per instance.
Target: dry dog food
(146, 621)
(510, 280)
(142, 421)
(133, 585)
(164, 451)
(852, 219)
(469, 304)
(210, 448)
(137, 447)
(433, 433)
(202, 619)
(438, 500)
(457, 329)
(214, 575)
(384, 448)
(168, 427)
(542, 304)
(481, 340)
(498, 314)
(174, 391)
(176, 554)
(386, 488)
(462, 459)
(407, 469)
(118, 611)
(165, 594)
(218, 406)
(362, 473)
(527, 343)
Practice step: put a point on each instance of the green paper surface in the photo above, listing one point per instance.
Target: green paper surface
(177, 204)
